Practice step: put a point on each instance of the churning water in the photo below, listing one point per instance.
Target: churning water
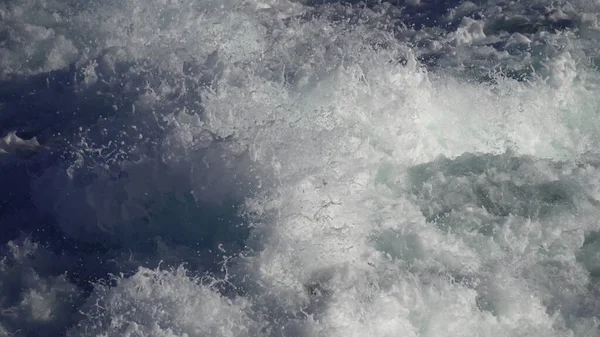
(417, 168)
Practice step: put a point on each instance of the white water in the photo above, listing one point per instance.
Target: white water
(319, 169)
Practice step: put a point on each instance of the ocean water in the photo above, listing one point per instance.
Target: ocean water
(281, 168)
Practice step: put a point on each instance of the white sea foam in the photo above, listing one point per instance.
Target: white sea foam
(383, 195)
(13, 144)
(36, 295)
(162, 303)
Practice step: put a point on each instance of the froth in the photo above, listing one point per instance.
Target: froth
(163, 303)
(344, 153)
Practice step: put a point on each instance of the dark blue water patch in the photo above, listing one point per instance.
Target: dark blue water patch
(62, 112)
(57, 105)
(175, 228)
(178, 230)
(18, 212)
(48, 105)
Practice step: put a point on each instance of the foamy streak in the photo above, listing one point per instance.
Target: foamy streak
(322, 123)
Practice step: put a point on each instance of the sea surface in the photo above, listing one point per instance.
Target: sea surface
(279, 168)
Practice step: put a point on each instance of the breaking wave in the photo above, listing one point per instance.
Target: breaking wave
(312, 168)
